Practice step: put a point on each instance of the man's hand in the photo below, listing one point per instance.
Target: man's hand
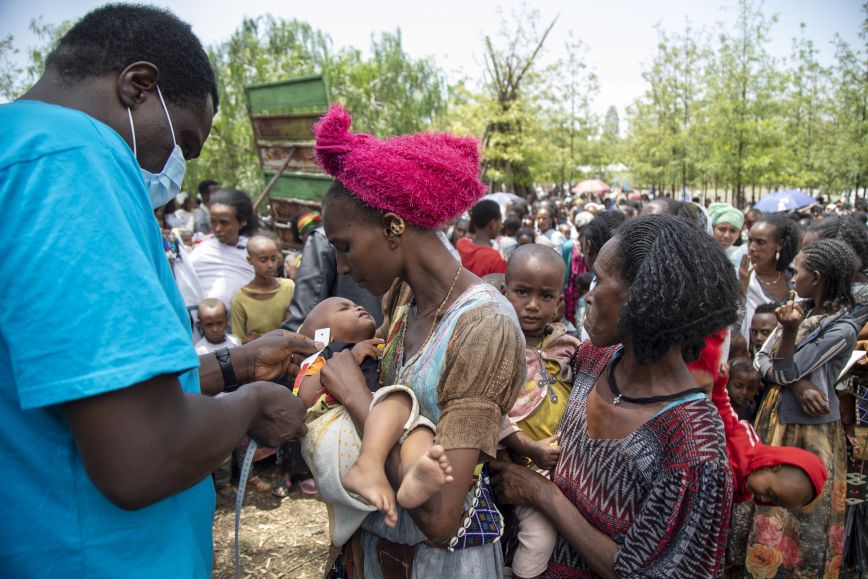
(280, 418)
(277, 353)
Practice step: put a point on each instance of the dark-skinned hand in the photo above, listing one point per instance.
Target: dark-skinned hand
(280, 417)
(516, 485)
(812, 401)
(790, 315)
(546, 452)
(279, 352)
(341, 375)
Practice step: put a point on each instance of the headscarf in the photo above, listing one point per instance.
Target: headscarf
(424, 178)
(307, 222)
(726, 213)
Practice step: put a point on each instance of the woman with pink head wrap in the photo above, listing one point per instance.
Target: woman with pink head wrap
(450, 338)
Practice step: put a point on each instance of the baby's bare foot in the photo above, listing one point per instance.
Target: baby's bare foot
(425, 478)
(368, 480)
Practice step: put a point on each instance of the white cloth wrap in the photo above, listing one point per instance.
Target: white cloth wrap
(332, 446)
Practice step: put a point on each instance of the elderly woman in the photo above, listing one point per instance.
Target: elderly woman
(643, 486)
(772, 245)
(726, 225)
(454, 340)
(221, 260)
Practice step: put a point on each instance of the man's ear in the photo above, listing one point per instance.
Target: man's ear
(137, 82)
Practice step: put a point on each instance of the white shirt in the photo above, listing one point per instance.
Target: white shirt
(222, 269)
(203, 346)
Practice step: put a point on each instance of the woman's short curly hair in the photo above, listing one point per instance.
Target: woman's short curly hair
(786, 231)
(836, 262)
(849, 230)
(682, 286)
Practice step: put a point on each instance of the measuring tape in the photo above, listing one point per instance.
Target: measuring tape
(239, 500)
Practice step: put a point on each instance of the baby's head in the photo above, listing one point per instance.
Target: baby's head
(534, 280)
(744, 382)
(213, 319)
(784, 485)
(348, 322)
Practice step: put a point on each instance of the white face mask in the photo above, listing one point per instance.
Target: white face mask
(163, 187)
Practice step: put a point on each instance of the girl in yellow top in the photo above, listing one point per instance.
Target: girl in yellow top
(534, 281)
(263, 304)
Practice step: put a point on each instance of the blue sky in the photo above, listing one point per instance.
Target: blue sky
(619, 34)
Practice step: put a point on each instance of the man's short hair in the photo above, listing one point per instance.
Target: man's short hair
(205, 186)
(110, 38)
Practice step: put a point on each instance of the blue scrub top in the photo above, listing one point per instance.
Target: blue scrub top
(89, 305)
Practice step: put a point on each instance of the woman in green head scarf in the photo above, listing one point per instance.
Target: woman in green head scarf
(727, 222)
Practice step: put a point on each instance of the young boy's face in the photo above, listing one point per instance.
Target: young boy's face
(347, 321)
(212, 322)
(743, 386)
(264, 257)
(761, 327)
(534, 290)
(767, 485)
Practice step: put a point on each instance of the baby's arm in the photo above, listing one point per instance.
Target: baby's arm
(308, 386)
(544, 453)
(309, 389)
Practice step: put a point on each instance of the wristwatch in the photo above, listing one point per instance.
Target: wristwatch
(230, 381)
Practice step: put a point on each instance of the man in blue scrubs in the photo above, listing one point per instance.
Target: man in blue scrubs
(107, 442)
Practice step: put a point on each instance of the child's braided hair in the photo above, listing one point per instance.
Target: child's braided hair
(836, 262)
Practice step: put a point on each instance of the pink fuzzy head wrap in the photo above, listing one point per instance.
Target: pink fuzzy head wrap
(426, 178)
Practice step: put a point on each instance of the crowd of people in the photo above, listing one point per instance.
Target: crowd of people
(475, 385)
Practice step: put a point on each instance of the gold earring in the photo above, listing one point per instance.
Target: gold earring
(397, 227)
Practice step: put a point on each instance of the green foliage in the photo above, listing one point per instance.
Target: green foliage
(15, 80)
(719, 113)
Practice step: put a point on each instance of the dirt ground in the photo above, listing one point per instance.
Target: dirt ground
(278, 537)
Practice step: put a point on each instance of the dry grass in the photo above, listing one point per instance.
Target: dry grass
(279, 537)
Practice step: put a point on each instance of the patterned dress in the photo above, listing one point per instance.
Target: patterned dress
(662, 493)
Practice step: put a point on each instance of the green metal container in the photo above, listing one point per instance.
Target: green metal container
(305, 186)
(305, 94)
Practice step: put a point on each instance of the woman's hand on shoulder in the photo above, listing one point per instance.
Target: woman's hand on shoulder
(342, 377)
(517, 485)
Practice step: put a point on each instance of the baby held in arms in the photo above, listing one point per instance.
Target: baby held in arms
(393, 419)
